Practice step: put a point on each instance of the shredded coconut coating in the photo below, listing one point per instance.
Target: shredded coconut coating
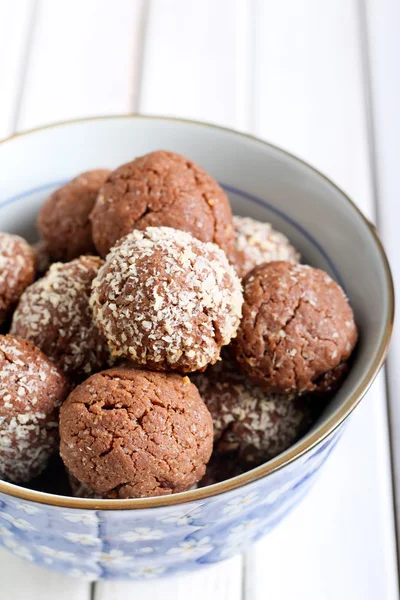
(17, 271)
(252, 424)
(166, 300)
(257, 243)
(32, 389)
(297, 325)
(55, 315)
(128, 433)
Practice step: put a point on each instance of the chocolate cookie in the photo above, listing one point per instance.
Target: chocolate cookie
(55, 315)
(32, 389)
(249, 423)
(17, 271)
(162, 189)
(128, 433)
(297, 325)
(165, 300)
(257, 243)
(63, 221)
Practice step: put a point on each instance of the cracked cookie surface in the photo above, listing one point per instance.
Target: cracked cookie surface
(129, 433)
(162, 189)
(297, 325)
(63, 220)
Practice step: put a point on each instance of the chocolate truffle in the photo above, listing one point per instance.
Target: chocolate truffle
(257, 243)
(17, 271)
(55, 315)
(166, 301)
(162, 189)
(253, 424)
(129, 433)
(32, 389)
(63, 221)
(297, 325)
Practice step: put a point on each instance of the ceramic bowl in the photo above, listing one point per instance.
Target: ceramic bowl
(141, 538)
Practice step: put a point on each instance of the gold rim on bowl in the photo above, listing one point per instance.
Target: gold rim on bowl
(286, 457)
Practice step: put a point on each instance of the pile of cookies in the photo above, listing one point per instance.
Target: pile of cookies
(154, 340)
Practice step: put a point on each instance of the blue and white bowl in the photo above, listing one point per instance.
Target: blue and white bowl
(143, 538)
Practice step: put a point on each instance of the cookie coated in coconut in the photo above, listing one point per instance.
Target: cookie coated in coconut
(165, 300)
(17, 271)
(32, 389)
(162, 189)
(55, 315)
(129, 433)
(257, 243)
(250, 424)
(297, 325)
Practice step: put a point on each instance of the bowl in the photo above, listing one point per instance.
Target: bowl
(140, 538)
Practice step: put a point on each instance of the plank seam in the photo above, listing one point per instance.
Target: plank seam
(25, 64)
(141, 48)
(253, 59)
(145, 20)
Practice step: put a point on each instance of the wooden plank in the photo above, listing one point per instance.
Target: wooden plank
(305, 72)
(16, 22)
(84, 61)
(217, 581)
(381, 24)
(21, 580)
(196, 61)
(308, 94)
(327, 546)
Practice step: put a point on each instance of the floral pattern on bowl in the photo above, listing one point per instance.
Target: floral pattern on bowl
(148, 543)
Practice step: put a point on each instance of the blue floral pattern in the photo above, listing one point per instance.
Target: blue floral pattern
(149, 543)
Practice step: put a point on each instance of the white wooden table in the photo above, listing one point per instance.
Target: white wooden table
(318, 77)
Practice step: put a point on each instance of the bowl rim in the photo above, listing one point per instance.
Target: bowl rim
(293, 453)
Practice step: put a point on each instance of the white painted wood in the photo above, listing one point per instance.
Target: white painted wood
(383, 22)
(21, 580)
(307, 95)
(85, 60)
(15, 25)
(196, 60)
(329, 547)
(223, 582)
